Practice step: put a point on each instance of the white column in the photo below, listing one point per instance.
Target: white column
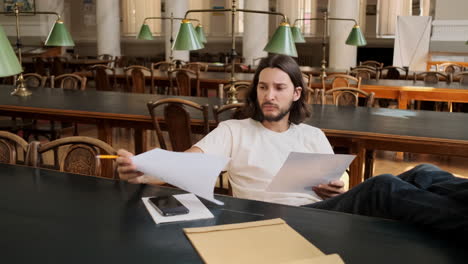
(48, 21)
(108, 27)
(178, 9)
(255, 31)
(342, 56)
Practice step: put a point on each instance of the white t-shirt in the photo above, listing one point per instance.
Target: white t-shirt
(257, 154)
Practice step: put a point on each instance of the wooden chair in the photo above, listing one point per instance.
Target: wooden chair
(242, 88)
(136, 79)
(121, 61)
(233, 111)
(69, 81)
(449, 67)
(161, 87)
(178, 63)
(341, 80)
(76, 155)
(162, 66)
(308, 78)
(108, 57)
(394, 73)
(196, 66)
(177, 120)
(377, 65)
(347, 96)
(101, 77)
(431, 77)
(180, 82)
(461, 77)
(10, 144)
(364, 73)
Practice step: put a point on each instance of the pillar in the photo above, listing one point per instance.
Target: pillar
(108, 27)
(255, 31)
(342, 56)
(178, 9)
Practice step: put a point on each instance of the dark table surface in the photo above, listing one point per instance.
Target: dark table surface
(52, 217)
(131, 106)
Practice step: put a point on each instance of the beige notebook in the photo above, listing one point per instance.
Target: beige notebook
(268, 241)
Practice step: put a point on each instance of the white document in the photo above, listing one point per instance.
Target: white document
(193, 172)
(197, 210)
(301, 171)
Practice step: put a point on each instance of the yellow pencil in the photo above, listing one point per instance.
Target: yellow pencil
(107, 156)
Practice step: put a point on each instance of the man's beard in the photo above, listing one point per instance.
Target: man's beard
(277, 117)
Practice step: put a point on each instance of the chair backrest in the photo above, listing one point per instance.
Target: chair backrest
(177, 120)
(394, 73)
(196, 66)
(121, 61)
(449, 67)
(68, 81)
(242, 88)
(364, 73)
(431, 76)
(9, 145)
(377, 65)
(33, 80)
(178, 63)
(136, 80)
(346, 96)
(462, 77)
(341, 80)
(234, 111)
(76, 155)
(101, 77)
(308, 78)
(162, 66)
(180, 81)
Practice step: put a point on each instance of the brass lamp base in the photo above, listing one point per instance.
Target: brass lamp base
(21, 91)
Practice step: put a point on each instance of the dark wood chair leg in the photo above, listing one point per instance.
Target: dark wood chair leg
(369, 164)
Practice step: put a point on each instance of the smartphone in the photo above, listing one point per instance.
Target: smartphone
(168, 205)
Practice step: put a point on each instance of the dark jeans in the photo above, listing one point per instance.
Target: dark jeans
(425, 195)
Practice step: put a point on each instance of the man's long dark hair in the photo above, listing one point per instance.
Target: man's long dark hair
(299, 109)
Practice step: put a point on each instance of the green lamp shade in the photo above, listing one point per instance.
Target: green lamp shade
(59, 36)
(187, 38)
(282, 41)
(356, 38)
(200, 34)
(297, 35)
(145, 33)
(9, 64)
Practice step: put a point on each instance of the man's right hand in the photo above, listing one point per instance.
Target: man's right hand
(127, 170)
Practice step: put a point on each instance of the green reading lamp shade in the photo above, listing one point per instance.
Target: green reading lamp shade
(9, 64)
(297, 35)
(200, 33)
(356, 38)
(282, 41)
(187, 38)
(59, 36)
(145, 33)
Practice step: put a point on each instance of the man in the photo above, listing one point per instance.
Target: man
(258, 146)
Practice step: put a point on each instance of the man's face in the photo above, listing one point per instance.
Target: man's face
(275, 94)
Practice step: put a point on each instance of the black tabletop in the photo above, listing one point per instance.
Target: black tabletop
(52, 217)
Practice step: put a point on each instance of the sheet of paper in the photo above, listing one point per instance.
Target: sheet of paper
(193, 172)
(197, 210)
(301, 171)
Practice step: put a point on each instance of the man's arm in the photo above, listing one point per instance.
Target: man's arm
(127, 170)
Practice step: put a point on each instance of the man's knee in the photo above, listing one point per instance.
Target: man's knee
(427, 167)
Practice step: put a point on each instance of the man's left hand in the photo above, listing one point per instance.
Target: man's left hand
(329, 190)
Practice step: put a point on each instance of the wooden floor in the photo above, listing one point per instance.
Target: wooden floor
(386, 161)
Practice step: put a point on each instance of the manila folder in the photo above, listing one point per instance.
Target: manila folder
(268, 241)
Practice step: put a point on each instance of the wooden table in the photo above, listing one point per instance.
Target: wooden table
(406, 90)
(52, 217)
(361, 128)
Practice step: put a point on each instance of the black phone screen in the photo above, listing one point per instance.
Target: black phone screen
(168, 205)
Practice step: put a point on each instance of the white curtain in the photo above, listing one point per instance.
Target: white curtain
(412, 40)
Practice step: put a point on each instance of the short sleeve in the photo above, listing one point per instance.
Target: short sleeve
(323, 144)
(217, 142)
